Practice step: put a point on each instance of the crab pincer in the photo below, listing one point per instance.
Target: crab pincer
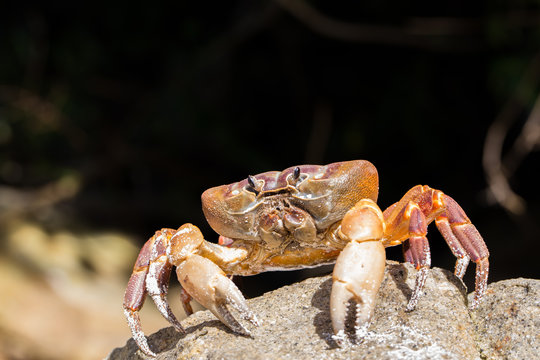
(359, 269)
(205, 281)
(211, 287)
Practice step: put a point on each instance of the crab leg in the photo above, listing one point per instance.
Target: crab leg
(466, 243)
(201, 278)
(157, 280)
(134, 298)
(416, 250)
(186, 301)
(359, 268)
(408, 219)
(150, 276)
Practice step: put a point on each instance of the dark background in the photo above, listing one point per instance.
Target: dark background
(146, 105)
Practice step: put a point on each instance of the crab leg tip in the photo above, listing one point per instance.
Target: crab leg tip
(255, 321)
(461, 266)
(418, 287)
(166, 312)
(136, 331)
(476, 300)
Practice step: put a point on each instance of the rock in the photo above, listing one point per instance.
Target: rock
(507, 322)
(296, 324)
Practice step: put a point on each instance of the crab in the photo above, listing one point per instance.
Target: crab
(303, 216)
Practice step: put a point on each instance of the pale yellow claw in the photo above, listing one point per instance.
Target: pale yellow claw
(211, 287)
(358, 274)
(359, 269)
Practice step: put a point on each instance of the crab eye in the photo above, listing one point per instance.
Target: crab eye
(294, 177)
(251, 181)
(251, 185)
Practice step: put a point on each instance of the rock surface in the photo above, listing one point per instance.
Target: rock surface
(507, 323)
(296, 324)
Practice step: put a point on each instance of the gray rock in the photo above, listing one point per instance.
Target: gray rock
(507, 322)
(296, 324)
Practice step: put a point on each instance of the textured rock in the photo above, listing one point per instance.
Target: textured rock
(296, 324)
(508, 320)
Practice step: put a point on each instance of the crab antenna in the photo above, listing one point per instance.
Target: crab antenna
(296, 172)
(251, 181)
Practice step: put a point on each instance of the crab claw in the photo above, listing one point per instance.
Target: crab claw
(357, 276)
(359, 268)
(210, 286)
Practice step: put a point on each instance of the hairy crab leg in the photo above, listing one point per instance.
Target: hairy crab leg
(416, 250)
(199, 276)
(157, 280)
(466, 243)
(150, 276)
(135, 295)
(359, 268)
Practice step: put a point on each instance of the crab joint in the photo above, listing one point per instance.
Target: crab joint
(363, 222)
(184, 243)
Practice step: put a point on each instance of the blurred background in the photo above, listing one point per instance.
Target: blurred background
(116, 116)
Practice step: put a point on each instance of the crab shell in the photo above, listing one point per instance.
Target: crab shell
(326, 193)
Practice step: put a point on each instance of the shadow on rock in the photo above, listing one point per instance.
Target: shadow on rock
(322, 320)
(399, 274)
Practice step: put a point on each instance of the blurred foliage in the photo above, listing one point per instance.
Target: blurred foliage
(148, 104)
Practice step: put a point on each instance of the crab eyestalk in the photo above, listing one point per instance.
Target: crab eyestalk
(359, 269)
